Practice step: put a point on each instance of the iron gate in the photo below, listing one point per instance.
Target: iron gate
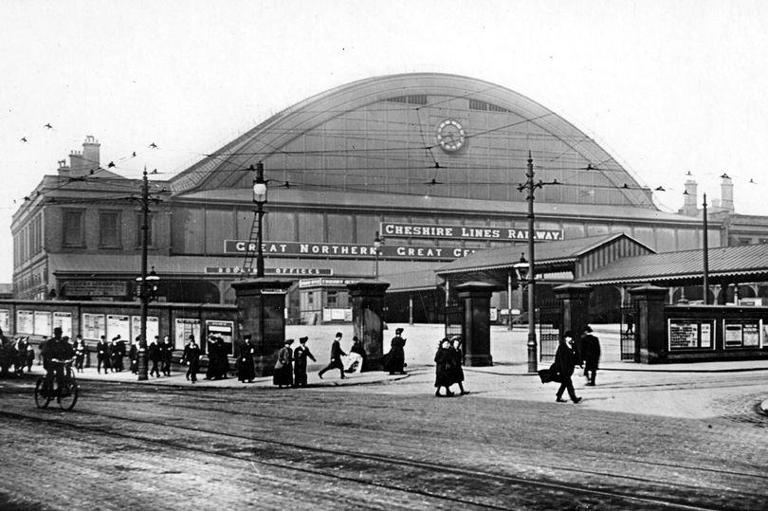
(627, 332)
(454, 318)
(548, 318)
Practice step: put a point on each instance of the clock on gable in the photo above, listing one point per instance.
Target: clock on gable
(451, 136)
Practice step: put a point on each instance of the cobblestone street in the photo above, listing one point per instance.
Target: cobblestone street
(380, 446)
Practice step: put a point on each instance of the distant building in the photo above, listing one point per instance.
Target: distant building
(432, 162)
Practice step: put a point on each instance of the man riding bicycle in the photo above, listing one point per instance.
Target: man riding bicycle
(55, 350)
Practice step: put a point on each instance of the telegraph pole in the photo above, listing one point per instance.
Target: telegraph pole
(706, 255)
(143, 292)
(532, 351)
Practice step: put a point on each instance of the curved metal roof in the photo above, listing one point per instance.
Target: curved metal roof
(351, 128)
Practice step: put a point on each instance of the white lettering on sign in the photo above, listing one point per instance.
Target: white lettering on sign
(491, 233)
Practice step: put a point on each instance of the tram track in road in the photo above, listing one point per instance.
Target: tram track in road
(338, 424)
(292, 455)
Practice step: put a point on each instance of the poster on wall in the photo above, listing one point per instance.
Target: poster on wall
(183, 328)
(63, 320)
(43, 323)
(732, 334)
(751, 333)
(683, 334)
(117, 324)
(93, 326)
(223, 329)
(25, 322)
(153, 327)
(5, 315)
(706, 335)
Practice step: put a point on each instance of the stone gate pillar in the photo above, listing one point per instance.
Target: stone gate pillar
(367, 299)
(574, 307)
(476, 325)
(261, 313)
(650, 329)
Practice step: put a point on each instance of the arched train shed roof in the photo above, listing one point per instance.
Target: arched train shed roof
(378, 134)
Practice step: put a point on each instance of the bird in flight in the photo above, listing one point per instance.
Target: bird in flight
(23, 139)
(48, 125)
(153, 145)
(110, 165)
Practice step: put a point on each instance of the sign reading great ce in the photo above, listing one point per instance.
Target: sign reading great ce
(345, 250)
(465, 232)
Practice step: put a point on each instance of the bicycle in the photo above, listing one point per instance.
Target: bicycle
(65, 388)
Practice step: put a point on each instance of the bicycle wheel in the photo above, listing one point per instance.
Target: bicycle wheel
(67, 395)
(41, 400)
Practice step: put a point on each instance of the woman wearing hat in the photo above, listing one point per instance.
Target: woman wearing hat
(283, 375)
(444, 370)
(565, 362)
(395, 359)
(300, 356)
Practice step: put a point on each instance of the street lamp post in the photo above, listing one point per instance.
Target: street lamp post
(259, 198)
(532, 351)
(522, 269)
(377, 242)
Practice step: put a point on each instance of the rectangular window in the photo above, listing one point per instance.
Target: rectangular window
(109, 228)
(331, 298)
(73, 228)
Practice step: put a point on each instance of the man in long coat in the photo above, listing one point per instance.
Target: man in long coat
(103, 355)
(166, 354)
(565, 362)
(300, 356)
(590, 354)
(246, 371)
(192, 357)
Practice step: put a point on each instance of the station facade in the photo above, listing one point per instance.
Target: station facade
(430, 162)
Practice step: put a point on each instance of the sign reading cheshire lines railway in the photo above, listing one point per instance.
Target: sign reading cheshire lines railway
(465, 232)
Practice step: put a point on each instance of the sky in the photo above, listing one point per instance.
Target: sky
(666, 87)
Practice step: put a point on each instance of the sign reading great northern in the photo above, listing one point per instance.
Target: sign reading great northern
(464, 232)
(344, 250)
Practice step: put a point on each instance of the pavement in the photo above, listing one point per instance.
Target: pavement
(178, 379)
(693, 390)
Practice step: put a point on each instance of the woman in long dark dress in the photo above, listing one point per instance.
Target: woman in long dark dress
(222, 366)
(443, 368)
(457, 372)
(246, 371)
(283, 375)
(300, 356)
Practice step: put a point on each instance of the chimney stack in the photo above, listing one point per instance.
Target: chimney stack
(83, 162)
(91, 152)
(690, 207)
(726, 193)
(63, 168)
(76, 165)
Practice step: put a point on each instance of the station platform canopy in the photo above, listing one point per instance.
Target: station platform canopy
(746, 263)
(555, 262)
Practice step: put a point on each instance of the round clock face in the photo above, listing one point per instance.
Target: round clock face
(450, 135)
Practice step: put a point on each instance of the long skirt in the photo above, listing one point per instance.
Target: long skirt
(283, 376)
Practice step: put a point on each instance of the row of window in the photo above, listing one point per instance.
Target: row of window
(109, 229)
(28, 241)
